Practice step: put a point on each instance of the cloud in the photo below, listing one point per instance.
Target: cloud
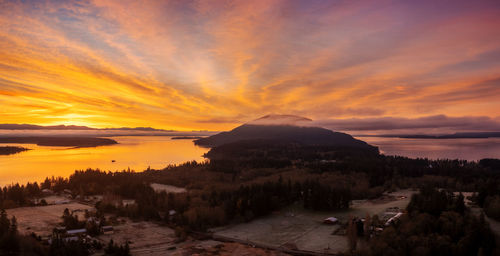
(467, 123)
(211, 65)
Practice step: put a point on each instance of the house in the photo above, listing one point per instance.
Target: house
(107, 230)
(391, 220)
(127, 202)
(63, 201)
(71, 239)
(330, 221)
(47, 191)
(171, 215)
(76, 232)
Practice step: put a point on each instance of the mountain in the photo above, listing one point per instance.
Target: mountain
(283, 128)
(74, 127)
(39, 127)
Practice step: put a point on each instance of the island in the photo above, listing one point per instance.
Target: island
(9, 150)
(60, 141)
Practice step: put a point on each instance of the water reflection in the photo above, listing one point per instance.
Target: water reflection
(134, 152)
(139, 152)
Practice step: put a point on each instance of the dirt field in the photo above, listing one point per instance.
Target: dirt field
(167, 188)
(42, 219)
(305, 229)
(147, 238)
(153, 239)
(210, 247)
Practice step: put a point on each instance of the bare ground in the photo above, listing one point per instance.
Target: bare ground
(305, 230)
(153, 239)
(42, 219)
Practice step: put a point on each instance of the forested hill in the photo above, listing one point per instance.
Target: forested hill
(303, 135)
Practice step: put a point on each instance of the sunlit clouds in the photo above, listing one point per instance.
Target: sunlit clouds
(212, 64)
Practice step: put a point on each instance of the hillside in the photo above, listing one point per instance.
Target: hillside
(275, 129)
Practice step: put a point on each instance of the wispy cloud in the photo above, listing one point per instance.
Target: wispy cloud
(415, 125)
(212, 64)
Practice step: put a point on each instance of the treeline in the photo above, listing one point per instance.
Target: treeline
(205, 209)
(12, 243)
(18, 195)
(437, 223)
(488, 197)
(388, 172)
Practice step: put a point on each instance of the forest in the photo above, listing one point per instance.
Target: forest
(437, 223)
(244, 181)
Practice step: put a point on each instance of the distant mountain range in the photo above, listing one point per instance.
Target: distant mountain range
(458, 135)
(283, 128)
(73, 127)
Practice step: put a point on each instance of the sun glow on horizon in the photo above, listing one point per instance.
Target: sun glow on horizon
(193, 65)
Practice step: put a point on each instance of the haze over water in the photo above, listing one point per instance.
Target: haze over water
(134, 152)
(466, 149)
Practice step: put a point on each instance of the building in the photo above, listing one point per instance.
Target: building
(330, 221)
(394, 218)
(76, 232)
(107, 230)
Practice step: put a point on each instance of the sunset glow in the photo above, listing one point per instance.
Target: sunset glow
(213, 64)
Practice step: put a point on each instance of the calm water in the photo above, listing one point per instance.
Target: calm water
(136, 152)
(468, 149)
(139, 152)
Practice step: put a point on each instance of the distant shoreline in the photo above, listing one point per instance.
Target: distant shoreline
(187, 138)
(471, 135)
(60, 141)
(10, 150)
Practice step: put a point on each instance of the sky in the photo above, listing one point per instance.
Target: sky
(211, 65)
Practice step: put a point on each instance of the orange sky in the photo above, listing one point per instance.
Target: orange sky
(212, 64)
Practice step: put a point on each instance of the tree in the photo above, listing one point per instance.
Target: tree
(4, 222)
(352, 236)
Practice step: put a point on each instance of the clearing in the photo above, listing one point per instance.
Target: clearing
(303, 229)
(42, 219)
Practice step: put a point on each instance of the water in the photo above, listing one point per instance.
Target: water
(134, 152)
(139, 152)
(467, 149)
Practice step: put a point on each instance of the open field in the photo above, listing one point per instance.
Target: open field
(149, 238)
(42, 219)
(211, 247)
(294, 226)
(146, 238)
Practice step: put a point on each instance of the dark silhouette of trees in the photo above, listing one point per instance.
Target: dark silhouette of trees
(437, 223)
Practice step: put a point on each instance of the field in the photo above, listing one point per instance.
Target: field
(42, 219)
(303, 229)
(149, 238)
(146, 238)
